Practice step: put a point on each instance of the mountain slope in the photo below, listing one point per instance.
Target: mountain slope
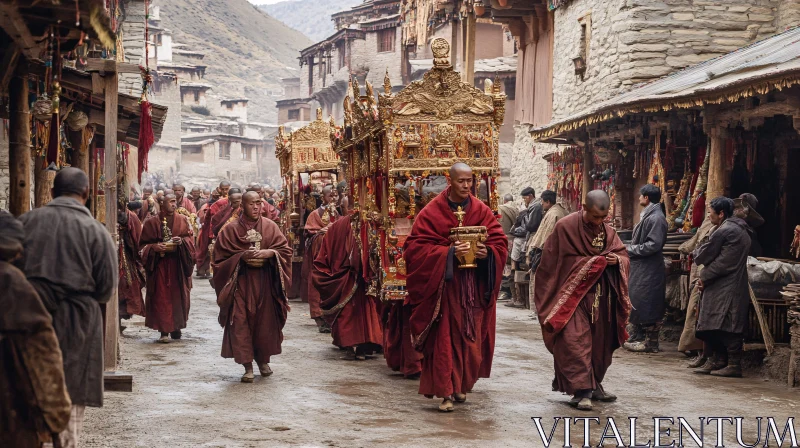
(311, 17)
(247, 51)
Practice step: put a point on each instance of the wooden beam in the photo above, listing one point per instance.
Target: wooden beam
(8, 66)
(110, 66)
(468, 68)
(19, 157)
(111, 346)
(14, 25)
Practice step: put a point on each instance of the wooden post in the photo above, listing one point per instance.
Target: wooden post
(716, 166)
(454, 43)
(43, 183)
(468, 70)
(19, 157)
(587, 184)
(80, 154)
(111, 347)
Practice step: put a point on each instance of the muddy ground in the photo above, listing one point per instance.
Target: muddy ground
(186, 395)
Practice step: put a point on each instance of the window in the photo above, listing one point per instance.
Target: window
(582, 61)
(247, 152)
(294, 114)
(340, 52)
(196, 96)
(225, 150)
(386, 40)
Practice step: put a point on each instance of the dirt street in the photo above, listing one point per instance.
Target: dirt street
(186, 395)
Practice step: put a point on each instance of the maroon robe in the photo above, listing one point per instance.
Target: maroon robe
(269, 211)
(580, 329)
(338, 277)
(252, 301)
(397, 347)
(131, 271)
(313, 241)
(169, 278)
(221, 218)
(147, 210)
(202, 258)
(187, 203)
(453, 319)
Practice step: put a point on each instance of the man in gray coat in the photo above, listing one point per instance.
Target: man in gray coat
(724, 304)
(71, 261)
(648, 279)
(508, 217)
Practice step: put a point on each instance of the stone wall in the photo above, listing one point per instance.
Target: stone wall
(634, 41)
(528, 168)
(788, 14)
(133, 44)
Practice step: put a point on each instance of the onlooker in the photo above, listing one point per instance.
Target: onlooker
(724, 304)
(647, 282)
(527, 225)
(553, 212)
(34, 404)
(508, 217)
(72, 292)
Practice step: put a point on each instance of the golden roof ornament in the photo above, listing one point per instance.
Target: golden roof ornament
(488, 86)
(319, 114)
(441, 52)
(496, 85)
(387, 83)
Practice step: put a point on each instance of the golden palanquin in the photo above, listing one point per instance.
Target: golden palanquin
(397, 154)
(307, 150)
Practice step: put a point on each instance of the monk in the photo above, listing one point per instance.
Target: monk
(228, 214)
(453, 317)
(169, 271)
(149, 205)
(317, 225)
(252, 300)
(202, 258)
(266, 209)
(131, 271)
(398, 348)
(341, 278)
(183, 200)
(581, 296)
(196, 196)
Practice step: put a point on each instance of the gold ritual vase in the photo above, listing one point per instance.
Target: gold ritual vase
(470, 234)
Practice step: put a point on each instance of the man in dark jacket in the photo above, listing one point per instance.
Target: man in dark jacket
(648, 278)
(71, 262)
(527, 224)
(508, 218)
(724, 305)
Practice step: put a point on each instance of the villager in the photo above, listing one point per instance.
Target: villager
(252, 266)
(72, 292)
(581, 297)
(724, 304)
(453, 316)
(34, 404)
(508, 217)
(648, 278)
(529, 223)
(553, 212)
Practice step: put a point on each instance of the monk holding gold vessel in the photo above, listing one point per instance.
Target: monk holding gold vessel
(453, 317)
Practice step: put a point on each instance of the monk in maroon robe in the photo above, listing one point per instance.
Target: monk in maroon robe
(131, 271)
(149, 205)
(252, 300)
(397, 347)
(183, 200)
(317, 225)
(202, 255)
(340, 277)
(581, 296)
(228, 214)
(169, 272)
(453, 317)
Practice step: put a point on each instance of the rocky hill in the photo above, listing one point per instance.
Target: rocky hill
(311, 17)
(247, 51)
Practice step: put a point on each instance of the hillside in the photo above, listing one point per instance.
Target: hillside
(247, 51)
(311, 17)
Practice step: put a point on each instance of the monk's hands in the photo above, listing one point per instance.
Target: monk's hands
(462, 247)
(177, 240)
(481, 253)
(612, 259)
(324, 230)
(160, 248)
(258, 254)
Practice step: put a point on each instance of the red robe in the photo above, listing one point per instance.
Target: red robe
(202, 259)
(221, 218)
(314, 241)
(397, 347)
(169, 278)
(131, 271)
(337, 276)
(269, 211)
(187, 203)
(453, 320)
(147, 210)
(252, 301)
(580, 335)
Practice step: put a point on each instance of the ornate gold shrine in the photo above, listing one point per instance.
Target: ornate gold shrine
(392, 152)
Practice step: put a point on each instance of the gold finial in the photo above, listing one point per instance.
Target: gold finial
(387, 83)
(356, 89)
(441, 52)
(496, 85)
(460, 215)
(488, 86)
(319, 114)
(333, 123)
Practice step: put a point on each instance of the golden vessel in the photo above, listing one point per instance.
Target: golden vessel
(473, 235)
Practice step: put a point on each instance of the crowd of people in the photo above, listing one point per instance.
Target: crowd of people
(590, 292)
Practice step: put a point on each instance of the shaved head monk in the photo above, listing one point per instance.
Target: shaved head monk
(149, 204)
(168, 256)
(581, 296)
(182, 200)
(252, 269)
(266, 209)
(453, 317)
(341, 279)
(317, 225)
(223, 188)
